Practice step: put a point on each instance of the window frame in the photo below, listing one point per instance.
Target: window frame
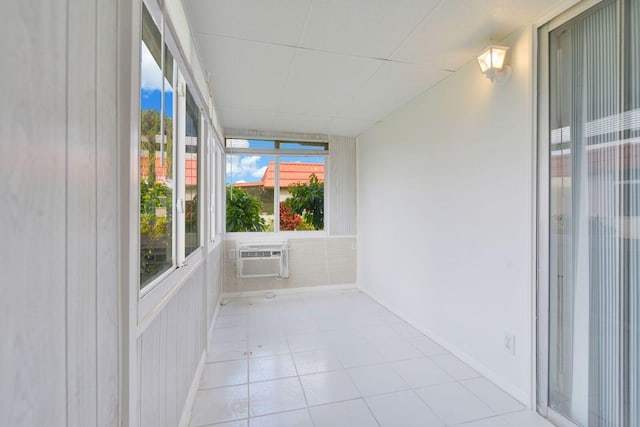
(152, 295)
(166, 40)
(181, 181)
(213, 181)
(221, 193)
(277, 153)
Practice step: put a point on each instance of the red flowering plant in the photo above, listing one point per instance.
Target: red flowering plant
(289, 220)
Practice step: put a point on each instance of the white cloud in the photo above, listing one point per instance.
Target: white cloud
(150, 73)
(242, 166)
(259, 173)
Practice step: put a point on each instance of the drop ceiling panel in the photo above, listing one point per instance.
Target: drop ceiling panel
(456, 31)
(245, 74)
(320, 83)
(362, 27)
(392, 86)
(273, 21)
(349, 127)
(450, 36)
(241, 118)
(320, 65)
(292, 122)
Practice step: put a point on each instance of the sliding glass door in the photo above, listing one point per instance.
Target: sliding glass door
(593, 215)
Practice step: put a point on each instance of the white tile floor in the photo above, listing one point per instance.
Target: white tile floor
(337, 358)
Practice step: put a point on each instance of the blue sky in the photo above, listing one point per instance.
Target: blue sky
(151, 84)
(150, 100)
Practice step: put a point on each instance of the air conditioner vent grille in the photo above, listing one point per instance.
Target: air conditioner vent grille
(263, 260)
(255, 254)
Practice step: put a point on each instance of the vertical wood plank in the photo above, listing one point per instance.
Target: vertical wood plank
(81, 214)
(107, 222)
(215, 283)
(32, 225)
(172, 362)
(128, 82)
(342, 186)
(171, 347)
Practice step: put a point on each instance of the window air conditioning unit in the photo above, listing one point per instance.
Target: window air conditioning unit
(263, 260)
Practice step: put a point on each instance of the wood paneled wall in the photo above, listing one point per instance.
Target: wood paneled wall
(169, 352)
(342, 186)
(214, 280)
(58, 148)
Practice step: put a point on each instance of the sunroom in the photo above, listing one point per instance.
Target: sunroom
(321, 213)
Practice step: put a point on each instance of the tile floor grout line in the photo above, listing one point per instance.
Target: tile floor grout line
(304, 394)
(356, 316)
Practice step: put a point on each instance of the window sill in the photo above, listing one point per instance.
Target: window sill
(213, 244)
(268, 236)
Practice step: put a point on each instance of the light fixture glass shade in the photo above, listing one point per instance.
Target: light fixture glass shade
(491, 60)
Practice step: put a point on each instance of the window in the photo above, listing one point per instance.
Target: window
(211, 153)
(156, 153)
(169, 150)
(191, 181)
(275, 186)
(218, 189)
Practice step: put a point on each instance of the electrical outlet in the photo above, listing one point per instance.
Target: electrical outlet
(510, 343)
(232, 254)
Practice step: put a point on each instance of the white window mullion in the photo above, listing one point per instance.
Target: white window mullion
(276, 195)
(180, 129)
(212, 183)
(220, 188)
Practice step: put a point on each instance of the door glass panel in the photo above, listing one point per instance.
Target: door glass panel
(632, 222)
(587, 271)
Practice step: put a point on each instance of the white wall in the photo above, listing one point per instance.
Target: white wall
(445, 216)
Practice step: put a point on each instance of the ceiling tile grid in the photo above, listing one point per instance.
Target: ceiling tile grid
(246, 73)
(367, 28)
(339, 66)
(319, 82)
(268, 21)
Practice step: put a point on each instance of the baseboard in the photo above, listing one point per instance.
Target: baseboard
(515, 392)
(186, 412)
(214, 318)
(289, 291)
(193, 390)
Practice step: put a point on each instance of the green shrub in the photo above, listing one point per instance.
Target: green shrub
(307, 199)
(243, 211)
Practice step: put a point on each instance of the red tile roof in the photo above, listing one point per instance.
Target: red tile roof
(290, 173)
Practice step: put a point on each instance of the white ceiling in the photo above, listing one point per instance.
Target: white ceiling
(339, 66)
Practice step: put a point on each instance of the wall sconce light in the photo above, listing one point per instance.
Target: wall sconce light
(492, 62)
